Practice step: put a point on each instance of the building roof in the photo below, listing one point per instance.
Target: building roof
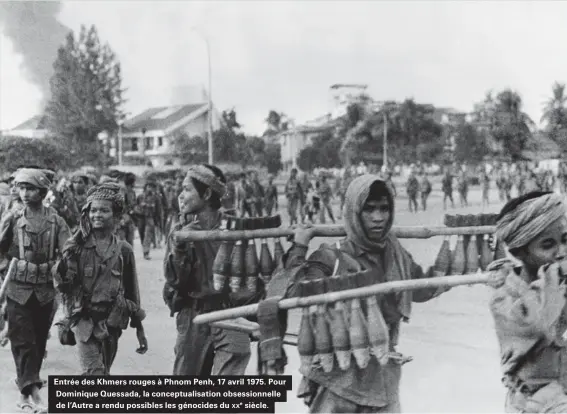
(36, 122)
(160, 118)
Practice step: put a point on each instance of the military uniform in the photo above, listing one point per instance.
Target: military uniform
(126, 226)
(295, 198)
(149, 208)
(36, 242)
(102, 297)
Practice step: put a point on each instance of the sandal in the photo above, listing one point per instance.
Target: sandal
(38, 408)
(26, 407)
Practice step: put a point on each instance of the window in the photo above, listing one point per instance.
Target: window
(160, 141)
(148, 142)
(134, 144)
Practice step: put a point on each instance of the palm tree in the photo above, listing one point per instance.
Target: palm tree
(555, 110)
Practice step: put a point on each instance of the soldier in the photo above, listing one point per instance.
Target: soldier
(189, 291)
(229, 199)
(80, 185)
(258, 193)
(447, 187)
(485, 184)
(295, 196)
(245, 197)
(172, 205)
(99, 285)
(271, 198)
(463, 188)
(325, 194)
(148, 206)
(412, 189)
(424, 190)
(369, 216)
(127, 224)
(528, 306)
(35, 235)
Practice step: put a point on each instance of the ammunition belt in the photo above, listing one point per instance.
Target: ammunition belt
(31, 273)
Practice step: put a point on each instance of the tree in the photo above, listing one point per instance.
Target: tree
(86, 93)
(277, 122)
(323, 152)
(273, 158)
(45, 153)
(555, 114)
(511, 127)
(470, 144)
(191, 150)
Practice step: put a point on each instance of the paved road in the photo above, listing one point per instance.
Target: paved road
(455, 366)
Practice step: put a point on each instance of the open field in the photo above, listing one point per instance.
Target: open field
(455, 366)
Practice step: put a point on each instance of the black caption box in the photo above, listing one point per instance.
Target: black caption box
(166, 394)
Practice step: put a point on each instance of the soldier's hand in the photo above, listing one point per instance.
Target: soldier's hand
(142, 341)
(303, 234)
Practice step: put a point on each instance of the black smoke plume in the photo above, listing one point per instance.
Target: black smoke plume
(36, 34)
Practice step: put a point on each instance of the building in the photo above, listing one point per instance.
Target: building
(293, 140)
(153, 132)
(345, 94)
(32, 128)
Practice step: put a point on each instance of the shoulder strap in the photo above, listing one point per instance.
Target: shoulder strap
(21, 242)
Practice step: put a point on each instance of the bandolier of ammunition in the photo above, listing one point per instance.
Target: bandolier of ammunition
(33, 273)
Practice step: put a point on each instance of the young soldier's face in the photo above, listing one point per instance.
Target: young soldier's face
(79, 185)
(101, 214)
(30, 194)
(549, 247)
(375, 216)
(190, 202)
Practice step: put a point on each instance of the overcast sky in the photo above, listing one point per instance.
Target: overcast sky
(285, 55)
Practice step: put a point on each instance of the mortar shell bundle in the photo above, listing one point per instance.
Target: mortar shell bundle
(378, 333)
(251, 260)
(222, 262)
(306, 338)
(323, 340)
(237, 272)
(339, 323)
(443, 261)
(358, 333)
(485, 252)
(278, 252)
(472, 256)
(458, 260)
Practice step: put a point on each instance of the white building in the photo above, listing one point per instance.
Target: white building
(32, 128)
(152, 133)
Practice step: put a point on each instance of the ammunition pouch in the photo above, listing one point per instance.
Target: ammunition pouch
(35, 274)
(66, 335)
(119, 314)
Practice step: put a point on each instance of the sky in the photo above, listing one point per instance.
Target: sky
(284, 55)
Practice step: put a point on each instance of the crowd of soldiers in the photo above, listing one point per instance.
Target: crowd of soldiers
(66, 243)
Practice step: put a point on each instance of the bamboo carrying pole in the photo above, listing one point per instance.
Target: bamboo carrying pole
(362, 292)
(402, 232)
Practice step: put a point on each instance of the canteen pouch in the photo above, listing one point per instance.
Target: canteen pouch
(119, 315)
(66, 335)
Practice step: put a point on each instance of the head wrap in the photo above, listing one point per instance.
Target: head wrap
(524, 223)
(107, 191)
(35, 177)
(207, 177)
(356, 195)
(107, 179)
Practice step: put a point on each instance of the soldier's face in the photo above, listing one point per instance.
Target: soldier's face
(190, 202)
(80, 186)
(101, 215)
(30, 194)
(549, 247)
(375, 216)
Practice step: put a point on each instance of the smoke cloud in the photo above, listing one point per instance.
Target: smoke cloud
(36, 34)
